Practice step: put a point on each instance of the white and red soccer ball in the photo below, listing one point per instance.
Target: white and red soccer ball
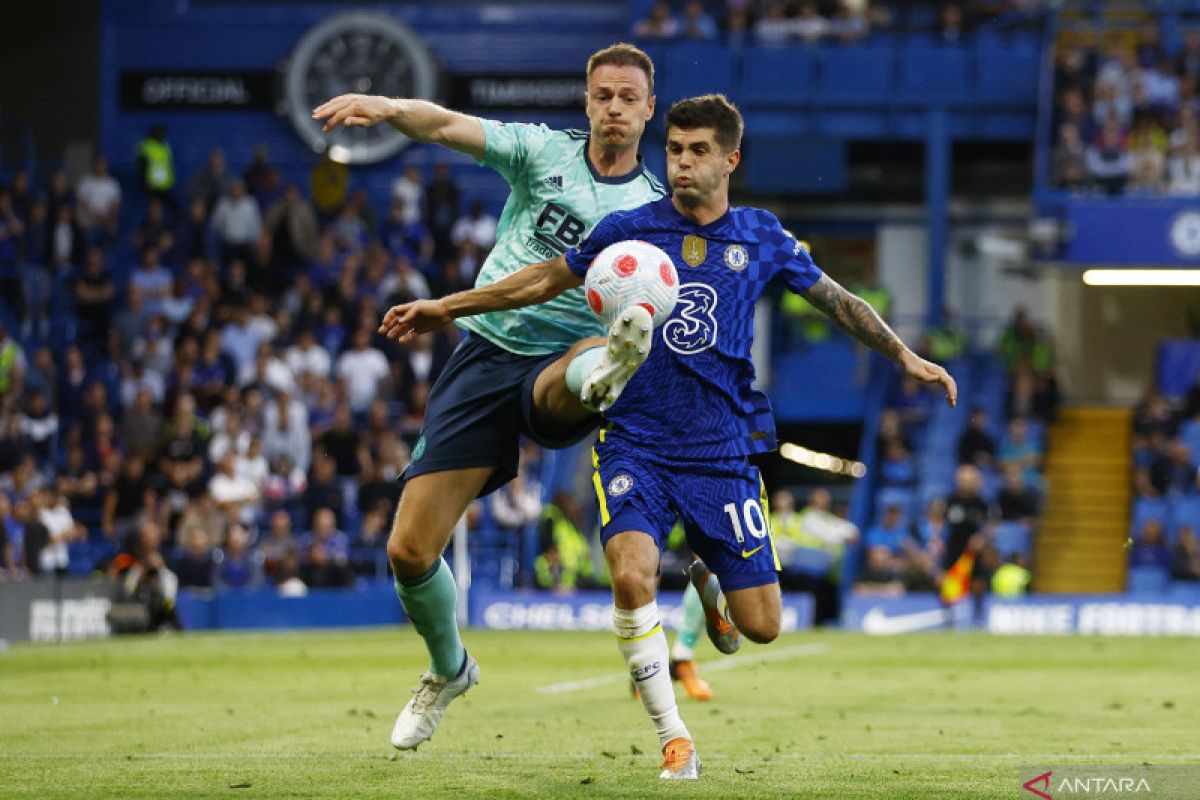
(632, 273)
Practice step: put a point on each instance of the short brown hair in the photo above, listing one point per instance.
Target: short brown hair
(623, 55)
(709, 111)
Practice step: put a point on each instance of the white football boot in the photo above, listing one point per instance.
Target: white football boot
(629, 339)
(681, 762)
(424, 710)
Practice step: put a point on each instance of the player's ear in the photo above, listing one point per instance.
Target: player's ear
(650, 107)
(732, 159)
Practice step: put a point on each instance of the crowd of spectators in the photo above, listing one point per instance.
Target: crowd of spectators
(195, 387)
(782, 23)
(1166, 463)
(1125, 115)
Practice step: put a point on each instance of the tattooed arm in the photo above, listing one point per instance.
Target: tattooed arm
(856, 317)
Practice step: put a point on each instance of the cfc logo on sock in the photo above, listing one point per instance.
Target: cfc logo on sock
(646, 672)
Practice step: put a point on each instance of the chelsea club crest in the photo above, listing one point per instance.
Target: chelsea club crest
(619, 485)
(736, 257)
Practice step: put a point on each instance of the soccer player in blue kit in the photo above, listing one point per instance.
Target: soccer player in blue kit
(677, 439)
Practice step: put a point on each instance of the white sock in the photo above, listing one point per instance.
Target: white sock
(642, 642)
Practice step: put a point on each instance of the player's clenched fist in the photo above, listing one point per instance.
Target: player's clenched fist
(408, 320)
(354, 109)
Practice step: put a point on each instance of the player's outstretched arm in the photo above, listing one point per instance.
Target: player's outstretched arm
(416, 119)
(528, 286)
(856, 317)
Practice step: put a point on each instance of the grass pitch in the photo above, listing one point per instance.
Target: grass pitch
(813, 715)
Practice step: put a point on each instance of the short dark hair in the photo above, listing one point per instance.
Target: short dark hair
(709, 111)
(622, 54)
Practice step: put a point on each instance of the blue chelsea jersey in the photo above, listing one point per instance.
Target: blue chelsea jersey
(693, 398)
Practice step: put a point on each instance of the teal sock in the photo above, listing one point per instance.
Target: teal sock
(581, 366)
(693, 626)
(429, 601)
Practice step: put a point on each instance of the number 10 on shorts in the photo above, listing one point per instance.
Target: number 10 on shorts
(756, 521)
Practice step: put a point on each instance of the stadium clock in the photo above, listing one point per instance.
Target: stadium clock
(363, 52)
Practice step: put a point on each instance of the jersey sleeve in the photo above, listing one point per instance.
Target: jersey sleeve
(607, 231)
(509, 146)
(790, 258)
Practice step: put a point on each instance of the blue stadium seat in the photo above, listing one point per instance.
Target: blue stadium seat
(693, 68)
(1148, 580)
(934, 73)
(776, 77)
(854, 76)
(1007, 75)
(1148, 508)
(1185, 512)
(809, 561)
(1013, 537)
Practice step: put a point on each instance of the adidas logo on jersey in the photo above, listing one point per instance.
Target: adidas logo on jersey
(554, 182)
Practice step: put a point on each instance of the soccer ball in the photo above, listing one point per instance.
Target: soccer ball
(632, 273)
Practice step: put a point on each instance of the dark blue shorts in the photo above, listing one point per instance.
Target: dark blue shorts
(722, 503)
(478, 409)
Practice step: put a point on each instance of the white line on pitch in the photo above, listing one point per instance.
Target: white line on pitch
(732, 662)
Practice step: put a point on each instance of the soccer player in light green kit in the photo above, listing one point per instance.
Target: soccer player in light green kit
(507, 378)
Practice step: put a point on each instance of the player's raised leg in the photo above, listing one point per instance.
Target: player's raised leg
(683, 652)
(429, 508)
(633, 562)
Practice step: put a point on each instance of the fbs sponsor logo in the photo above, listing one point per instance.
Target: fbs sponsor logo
(646, 672)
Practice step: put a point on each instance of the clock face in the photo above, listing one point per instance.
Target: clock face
(363, 53)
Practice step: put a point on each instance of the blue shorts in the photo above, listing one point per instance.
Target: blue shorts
(478, 408)
(722, 503)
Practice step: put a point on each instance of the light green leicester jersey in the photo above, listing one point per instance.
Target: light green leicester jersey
(557, 198)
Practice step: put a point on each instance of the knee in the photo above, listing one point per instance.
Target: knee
(407, 555)
(631, 587)
(763, 629)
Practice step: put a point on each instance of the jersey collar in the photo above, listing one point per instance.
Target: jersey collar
(628, 177)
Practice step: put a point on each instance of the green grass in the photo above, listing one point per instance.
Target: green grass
(833, 715)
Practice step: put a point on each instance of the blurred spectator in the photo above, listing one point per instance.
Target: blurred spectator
(11, 559)
(1183, 170)
(659, 24)
(290, 233)
(94, 292)
(850, 23)
(1147, 152)
(129, 500)
(39, 424)
(696, 22)
(516, 504)
(237, 566)
(1185, 556)
(441, 210)
(99, 197)
(774, 29)
(142, 425)
(1187, 62)
(966, 511)
(306, 357)
(236, 223)
(1108, 160)
(156, 165)
(211, 181)
(286, 431)
(889, 533)
(1017, 501)
(362, 368)
(1020, 449)
(261, 175)
(325, 552)
(1021, 341)
(234, 494)
(1031, 395)
(323, 490)
(952, 24)
(143, 577)
(203, 515)
(154, 229)
(1011, 579)
(279, 544)
(880, 574)
(341, 443)
(152, 282)
(976, 445)
(1068, 163)
(897, 467)
(194, 239)
(810, 26)
(61, 529)
(408, 193)
(1149, 547)
(194, 565)
(477, 227)
(562, 523)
